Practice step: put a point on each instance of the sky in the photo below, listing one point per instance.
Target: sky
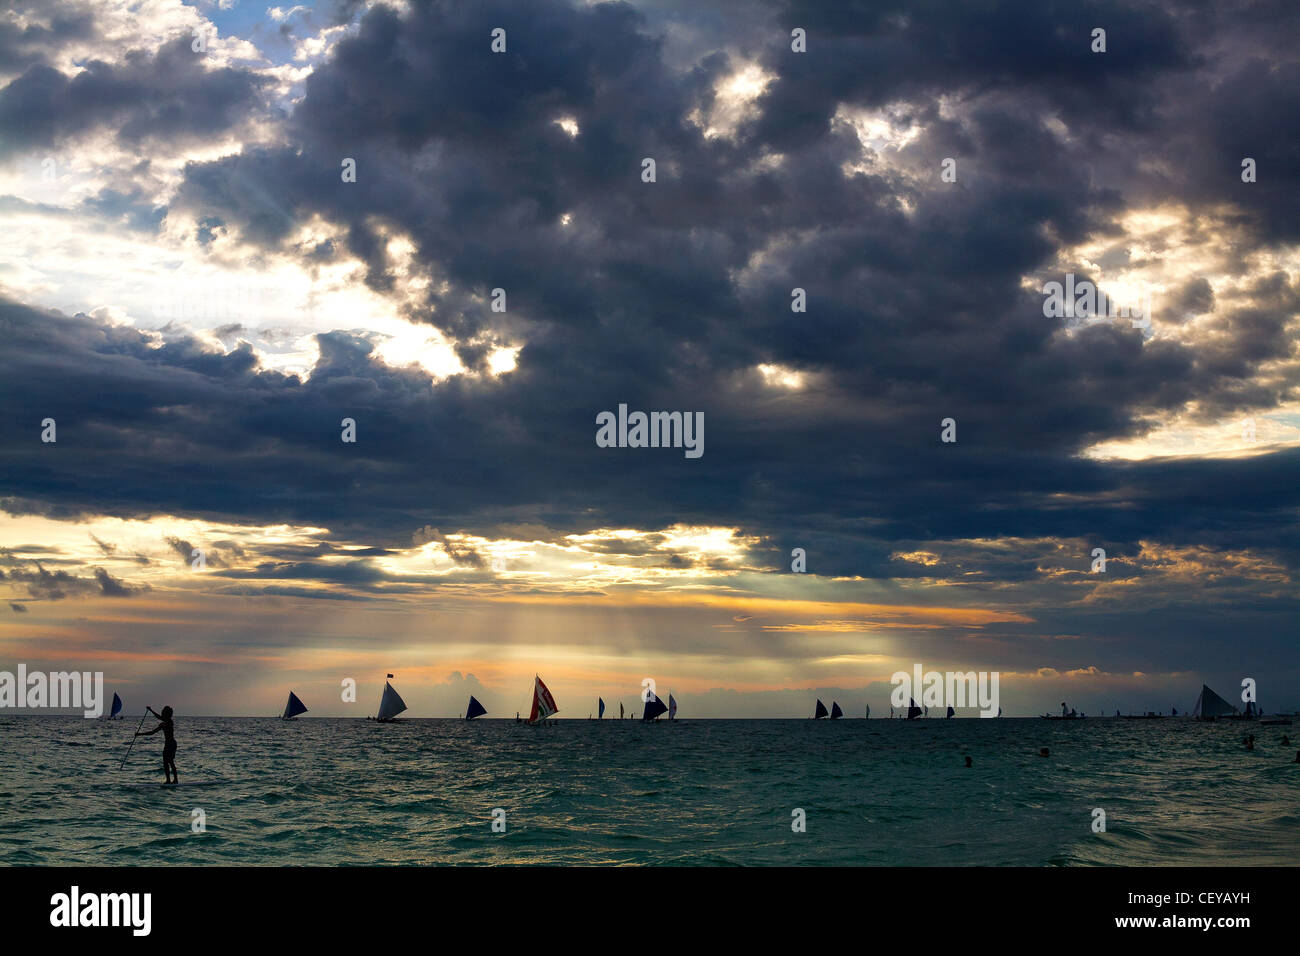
(227, 230)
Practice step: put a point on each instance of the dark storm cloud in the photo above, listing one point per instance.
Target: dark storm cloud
(25, 43)
(130, 209)
(51, 585)
(115, 587)
(56, 585)
(159, 96)
(666, 295)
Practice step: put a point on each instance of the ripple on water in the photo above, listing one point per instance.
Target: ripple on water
(347, 792)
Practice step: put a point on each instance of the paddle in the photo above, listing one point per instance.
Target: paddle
(133, 736)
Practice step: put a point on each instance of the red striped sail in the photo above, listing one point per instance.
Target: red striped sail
(543, 703)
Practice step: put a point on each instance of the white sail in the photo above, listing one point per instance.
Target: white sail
(391, 705)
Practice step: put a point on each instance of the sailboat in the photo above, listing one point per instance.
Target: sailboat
(1210, 706)
(951, 713)
(1067, 713)
(390, 705)
(836, 713)
(475, 709)
(115, 712)
(653, 708)
(600, 710)
(543, 703)
(620, 710)
(867, 715)
(820, 712)
(672, 707)
(913, 711)
(293, 708)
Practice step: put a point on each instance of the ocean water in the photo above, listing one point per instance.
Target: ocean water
(327, 792)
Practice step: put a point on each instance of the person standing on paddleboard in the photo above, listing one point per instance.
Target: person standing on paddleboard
(169, 748)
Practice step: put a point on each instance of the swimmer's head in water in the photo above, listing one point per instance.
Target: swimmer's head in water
(1044, 752)
(167, 713)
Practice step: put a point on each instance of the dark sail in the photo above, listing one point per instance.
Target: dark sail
(836, 713)
(951, 712)
(1210, 705)
(475, 709)
(653, 708)
(294, 707)
(913, 711)
(117, 706)
(820, 712)
(390, 705)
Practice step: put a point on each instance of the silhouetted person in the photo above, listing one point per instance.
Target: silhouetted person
(169, 746)
(1044, 752)
(1250, 741)
(968, 761)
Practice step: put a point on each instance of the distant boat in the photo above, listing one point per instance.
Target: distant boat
(913, 711)
(293, 708)
(475, 709)
(836, 713)
(653, 708)
(1210, 706)
(390, 705)
(1065, 714)
(543, 703)
(600, 711)
(620, 710)
(868, 713)
(999, 711)
(820, 712)
(116, 709)
(672, 707)
(951, 713)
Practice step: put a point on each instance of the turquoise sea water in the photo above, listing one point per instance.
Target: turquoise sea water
(343, 791)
